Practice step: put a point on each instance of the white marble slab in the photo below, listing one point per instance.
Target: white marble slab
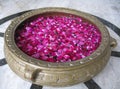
(78, 86)
(109, 77)
(9, 80)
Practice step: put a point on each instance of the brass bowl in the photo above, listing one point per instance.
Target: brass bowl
(57, 74)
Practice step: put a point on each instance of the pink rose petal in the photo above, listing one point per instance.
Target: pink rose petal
(58, 38)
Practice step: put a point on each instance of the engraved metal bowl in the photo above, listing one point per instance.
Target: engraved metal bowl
(57, 74)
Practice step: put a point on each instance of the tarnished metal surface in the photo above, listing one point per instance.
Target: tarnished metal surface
(57, 74)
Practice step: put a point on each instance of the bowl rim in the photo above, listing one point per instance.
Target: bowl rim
(11, 45)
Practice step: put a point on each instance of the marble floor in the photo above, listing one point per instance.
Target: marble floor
(109, 10)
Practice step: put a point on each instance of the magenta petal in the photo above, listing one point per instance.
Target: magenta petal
(58, 38)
